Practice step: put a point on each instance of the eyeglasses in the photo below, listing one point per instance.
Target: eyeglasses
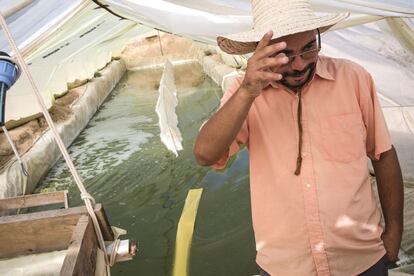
(310, 54)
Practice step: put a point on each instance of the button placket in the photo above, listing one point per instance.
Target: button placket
(308, 181)
(316, 238)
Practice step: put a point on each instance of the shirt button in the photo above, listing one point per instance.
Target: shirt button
(304, 154)
(308, 185)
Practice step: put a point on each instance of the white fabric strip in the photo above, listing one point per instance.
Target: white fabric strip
(167, 102)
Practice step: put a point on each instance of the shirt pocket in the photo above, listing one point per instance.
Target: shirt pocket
(343, 137)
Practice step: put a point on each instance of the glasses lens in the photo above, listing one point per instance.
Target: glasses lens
(310, 54)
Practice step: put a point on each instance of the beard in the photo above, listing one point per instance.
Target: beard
(295, 73)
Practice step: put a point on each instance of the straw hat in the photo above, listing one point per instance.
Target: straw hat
(283, 17)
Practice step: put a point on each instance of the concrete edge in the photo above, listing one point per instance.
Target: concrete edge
(222, 74)
(44, 153)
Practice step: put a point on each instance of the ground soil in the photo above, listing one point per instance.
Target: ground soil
(147, 50)
(24, 135)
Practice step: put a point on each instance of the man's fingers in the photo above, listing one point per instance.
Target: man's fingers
(269, 76)
(265, 40)
(279, 60)
(269, 50)
(258, 66)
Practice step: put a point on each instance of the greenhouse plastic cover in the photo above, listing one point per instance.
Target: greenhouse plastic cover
(70, 54)
(386, 49)
(66, 42)
(205, 20)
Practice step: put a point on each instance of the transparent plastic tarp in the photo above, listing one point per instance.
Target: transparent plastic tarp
(67, 42)
(82, 46)
(204, 20)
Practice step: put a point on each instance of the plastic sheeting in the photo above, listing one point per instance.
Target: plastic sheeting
(48, 263)
(66, 43)
(205, 20)
(375, 47)
(165, 108)
(85, 44)
(40, 158)
(403, 30)
(33, 24)
(372, 7)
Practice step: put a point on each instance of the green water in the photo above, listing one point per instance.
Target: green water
(143, 186)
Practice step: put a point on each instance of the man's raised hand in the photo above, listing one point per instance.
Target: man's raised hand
(262, 66)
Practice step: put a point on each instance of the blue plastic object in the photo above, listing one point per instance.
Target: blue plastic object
(8, 72)
(8, 76)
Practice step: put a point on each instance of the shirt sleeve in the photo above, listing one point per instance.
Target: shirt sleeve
(378, 139)
(243, 135)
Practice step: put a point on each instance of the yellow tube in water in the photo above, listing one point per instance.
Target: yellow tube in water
(185, 232)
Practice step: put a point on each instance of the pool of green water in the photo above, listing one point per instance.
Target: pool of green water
(143, 186)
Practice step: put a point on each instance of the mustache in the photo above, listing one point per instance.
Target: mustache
(296, 73)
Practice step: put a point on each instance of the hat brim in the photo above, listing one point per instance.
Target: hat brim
(246, 42)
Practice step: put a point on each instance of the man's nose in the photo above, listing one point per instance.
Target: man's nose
(298, 63)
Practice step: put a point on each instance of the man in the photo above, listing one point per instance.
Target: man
(308, 122)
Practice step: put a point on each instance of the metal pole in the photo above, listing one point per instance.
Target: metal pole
(3, 88)
(159, 40)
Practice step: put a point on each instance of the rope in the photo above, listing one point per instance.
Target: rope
(300, 142)
(87, 196)
(114, 250)
(89, 202)
(16, 153)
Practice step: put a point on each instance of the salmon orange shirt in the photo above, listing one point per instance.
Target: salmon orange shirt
(324, 221)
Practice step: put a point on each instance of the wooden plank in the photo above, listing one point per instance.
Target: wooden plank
(44, 231)
(81, 256)
(106, 229)
(37, 232)
(34, 200)
(44, 214)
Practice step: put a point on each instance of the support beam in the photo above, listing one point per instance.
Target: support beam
(81, 256)
(34, 200)
(44, 231)
(15, 8)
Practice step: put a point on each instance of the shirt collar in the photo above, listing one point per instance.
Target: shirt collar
(322, 70)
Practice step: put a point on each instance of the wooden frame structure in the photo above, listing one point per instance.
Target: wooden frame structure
(46, 231)
(34, 200)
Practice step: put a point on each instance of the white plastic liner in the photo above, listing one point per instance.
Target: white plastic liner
(9, 7)
(41, 264)
(165, 108)
(403, 30)
(37, 20)
(205, 20)
(85, 44)
(70, 40)
(50, 263)
(45, 152)
(373, 7)
(375, 47)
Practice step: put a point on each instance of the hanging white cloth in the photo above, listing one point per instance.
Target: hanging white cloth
(165, 108)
